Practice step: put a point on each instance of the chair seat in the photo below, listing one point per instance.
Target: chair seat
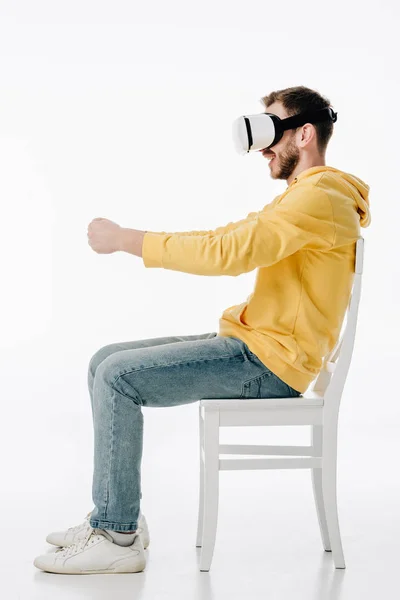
(310, 399)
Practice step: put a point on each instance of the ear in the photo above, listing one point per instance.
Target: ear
(307, 134)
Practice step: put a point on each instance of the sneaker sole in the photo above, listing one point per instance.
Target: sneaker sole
(135, 569)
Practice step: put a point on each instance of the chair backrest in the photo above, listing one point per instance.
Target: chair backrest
(332, 377)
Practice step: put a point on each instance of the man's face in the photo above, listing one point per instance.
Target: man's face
(286, 154)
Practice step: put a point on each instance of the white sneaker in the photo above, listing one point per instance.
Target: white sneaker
(95, 553)
(74, 534)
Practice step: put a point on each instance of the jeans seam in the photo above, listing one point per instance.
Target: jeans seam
(175, 364)
(107, 488)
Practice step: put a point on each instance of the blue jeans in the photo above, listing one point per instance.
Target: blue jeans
(158, 372)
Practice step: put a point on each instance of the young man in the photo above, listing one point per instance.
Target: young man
(272, 345)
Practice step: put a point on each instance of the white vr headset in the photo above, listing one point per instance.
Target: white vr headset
(256, 132)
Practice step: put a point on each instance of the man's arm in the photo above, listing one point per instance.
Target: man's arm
(303, 219)
(131, 240)
(218, 231)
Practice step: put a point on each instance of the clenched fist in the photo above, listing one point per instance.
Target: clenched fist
(104, 236)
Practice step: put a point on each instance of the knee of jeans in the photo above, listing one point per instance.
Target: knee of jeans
(98, 358)
(93, 364)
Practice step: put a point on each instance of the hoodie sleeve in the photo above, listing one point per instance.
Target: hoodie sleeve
(303, 219)
(218, 231)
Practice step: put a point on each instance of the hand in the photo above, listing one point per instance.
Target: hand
(104, 236)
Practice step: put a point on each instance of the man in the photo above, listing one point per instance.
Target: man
(272, 345)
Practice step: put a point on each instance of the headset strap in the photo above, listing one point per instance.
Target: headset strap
(309, 116)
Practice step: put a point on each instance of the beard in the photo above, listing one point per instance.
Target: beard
(288, 160)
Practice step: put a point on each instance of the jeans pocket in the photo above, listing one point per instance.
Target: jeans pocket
(252, 388)
(267, 385)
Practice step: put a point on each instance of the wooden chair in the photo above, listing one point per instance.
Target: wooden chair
(318, 408)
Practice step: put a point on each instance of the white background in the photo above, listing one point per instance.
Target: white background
(123, 110)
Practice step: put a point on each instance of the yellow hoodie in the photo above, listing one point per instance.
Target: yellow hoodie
(303, 245)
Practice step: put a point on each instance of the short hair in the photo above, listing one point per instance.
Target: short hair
(300, 98)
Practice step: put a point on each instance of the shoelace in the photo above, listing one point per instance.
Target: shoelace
(76, 527)
(91, 536)
(80, 544)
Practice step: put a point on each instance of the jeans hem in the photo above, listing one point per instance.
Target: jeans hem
(133, 525)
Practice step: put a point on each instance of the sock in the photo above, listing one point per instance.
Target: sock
(122, 539)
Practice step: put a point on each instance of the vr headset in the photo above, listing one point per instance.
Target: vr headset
(256, 132)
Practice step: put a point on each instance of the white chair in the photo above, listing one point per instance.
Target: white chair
(318, 408)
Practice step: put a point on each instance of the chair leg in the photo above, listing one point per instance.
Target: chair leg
(199, 534)
(211, 487)
(316, 477)
(329, 466)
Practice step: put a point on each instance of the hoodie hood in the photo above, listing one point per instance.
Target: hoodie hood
(357, 187)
